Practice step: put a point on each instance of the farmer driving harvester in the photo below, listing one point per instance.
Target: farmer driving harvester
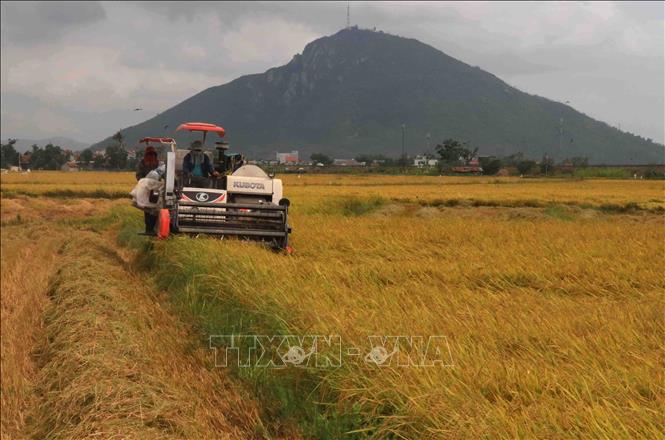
(197, 166)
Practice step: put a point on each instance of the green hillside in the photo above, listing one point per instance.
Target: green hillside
(350, 93)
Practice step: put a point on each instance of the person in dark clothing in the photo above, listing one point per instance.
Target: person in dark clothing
(147, 164)
(197, 167)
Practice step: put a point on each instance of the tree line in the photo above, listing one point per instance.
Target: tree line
(449, 153)
(53, 157)
(50, 157)
(453, 153)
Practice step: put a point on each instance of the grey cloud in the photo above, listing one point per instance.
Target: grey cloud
(33, 118)
(503, 63)
(607, 58)
(322, 17)
(229, 13)
(649, 10)
(35, 22)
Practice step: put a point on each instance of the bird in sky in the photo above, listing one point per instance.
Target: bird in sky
(138, 109)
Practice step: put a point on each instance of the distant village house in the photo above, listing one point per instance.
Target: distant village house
(347, 163)
(70, 166)
(422, 161)
(472, 167)
(288, 158)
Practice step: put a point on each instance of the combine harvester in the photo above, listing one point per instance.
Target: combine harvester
(242, 201)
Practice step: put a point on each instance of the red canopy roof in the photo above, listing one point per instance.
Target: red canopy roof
(201, 126)
(156, 139)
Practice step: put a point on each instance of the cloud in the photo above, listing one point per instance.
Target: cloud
(91, 78)
(79, 59)
(31, 118)
(26, 23)
(41, 120)
(274, 41)
(229, 13)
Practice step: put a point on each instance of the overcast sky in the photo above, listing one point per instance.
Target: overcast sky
(79, 69)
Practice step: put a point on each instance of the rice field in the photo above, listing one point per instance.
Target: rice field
(309, 190)
(549, 293)
(90, 349)
(555, 320)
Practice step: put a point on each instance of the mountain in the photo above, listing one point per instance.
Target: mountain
(23, 145)
(351, 92)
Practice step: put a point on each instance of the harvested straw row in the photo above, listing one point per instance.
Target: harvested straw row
(114, 364)
(22, 304)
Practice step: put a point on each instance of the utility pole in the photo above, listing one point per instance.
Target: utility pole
(348, 14)
(561, 129)
(404, 145)
(560, 132)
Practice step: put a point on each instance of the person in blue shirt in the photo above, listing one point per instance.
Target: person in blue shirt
(197, 164)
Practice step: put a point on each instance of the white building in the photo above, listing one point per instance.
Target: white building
(421, 161)
(348, 163)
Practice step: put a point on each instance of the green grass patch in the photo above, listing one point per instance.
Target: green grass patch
(558, 212)
(204, 288)
(602, 173)
(101, 223)
(434, 203)
(355, 206)
(348, 207)
(555, 207)
(14, 221)
(625, 208)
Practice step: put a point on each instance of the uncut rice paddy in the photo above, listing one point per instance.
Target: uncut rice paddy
(310, 189)
(555, 322)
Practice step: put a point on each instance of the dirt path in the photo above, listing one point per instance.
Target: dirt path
(90, 350)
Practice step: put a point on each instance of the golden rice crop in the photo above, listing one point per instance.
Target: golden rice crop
(506, 191)
(68, 179)
(77, 184)
(554, 316)
(552, 305)
(308, 189)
